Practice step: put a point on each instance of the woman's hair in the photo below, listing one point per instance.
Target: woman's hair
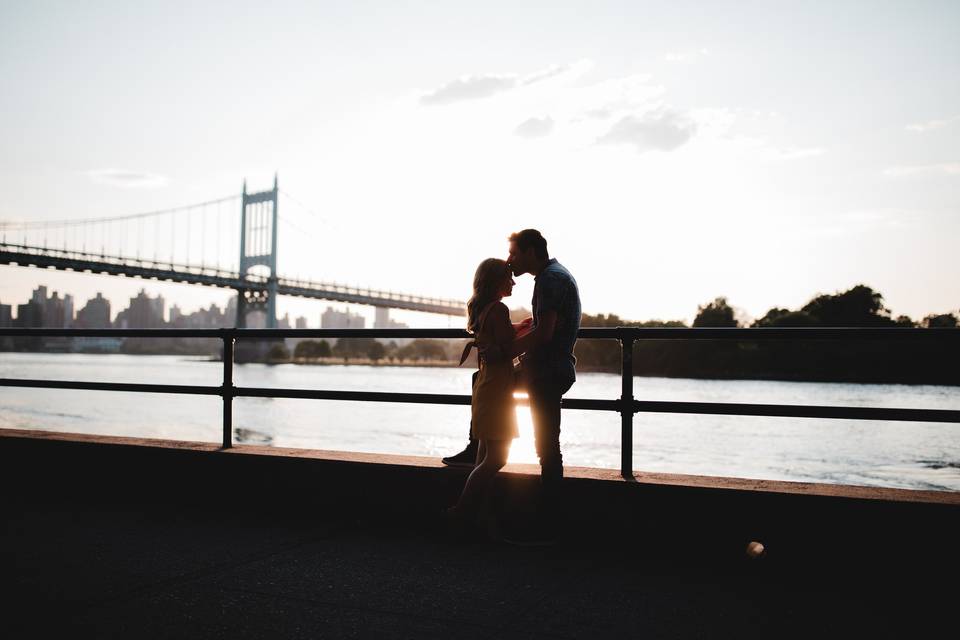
(486, 285)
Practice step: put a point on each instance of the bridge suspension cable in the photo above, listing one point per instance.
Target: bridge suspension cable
(18, 225)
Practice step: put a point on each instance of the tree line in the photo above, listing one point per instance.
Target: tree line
(347, 349)
(906, 361)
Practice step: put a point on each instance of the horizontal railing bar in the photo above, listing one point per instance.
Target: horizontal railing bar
(799, 411)
(239, 334)
(111, 386)
(767, 333)
(589, 404)
(113, 333)
(366, 396)
(709, 408)
(611, 333)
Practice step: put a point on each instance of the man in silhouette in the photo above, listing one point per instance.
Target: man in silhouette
(545, 343)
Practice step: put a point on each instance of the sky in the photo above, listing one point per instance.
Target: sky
(670, 152)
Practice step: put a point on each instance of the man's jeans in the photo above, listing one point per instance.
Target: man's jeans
(545, 394)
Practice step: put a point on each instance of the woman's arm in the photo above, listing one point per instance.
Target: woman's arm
(503, 331)
(523, 326)
(541, 334)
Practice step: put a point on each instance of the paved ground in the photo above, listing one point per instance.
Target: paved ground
(110, 569)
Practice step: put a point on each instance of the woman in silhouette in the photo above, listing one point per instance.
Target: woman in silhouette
(494, 420)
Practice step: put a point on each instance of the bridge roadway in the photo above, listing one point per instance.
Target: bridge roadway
(94, 263)
(120, 538)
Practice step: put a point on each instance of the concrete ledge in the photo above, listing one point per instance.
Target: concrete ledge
(803, 525)
(530, 470)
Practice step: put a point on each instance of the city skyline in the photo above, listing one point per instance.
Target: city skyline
(55, 311)
(334, 315)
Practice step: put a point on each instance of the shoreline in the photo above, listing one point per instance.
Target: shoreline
(451, 364)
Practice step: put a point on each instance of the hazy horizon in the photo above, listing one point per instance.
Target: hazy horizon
(669, 153)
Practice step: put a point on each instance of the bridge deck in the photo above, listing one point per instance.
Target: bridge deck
(45, 258)
(150, 559)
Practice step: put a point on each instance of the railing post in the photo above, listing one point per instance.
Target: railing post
(626, 404)
(226, 391)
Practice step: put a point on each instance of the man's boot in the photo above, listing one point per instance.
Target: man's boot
(466, 458)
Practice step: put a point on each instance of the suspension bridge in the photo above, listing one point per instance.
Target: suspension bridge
(193, 244)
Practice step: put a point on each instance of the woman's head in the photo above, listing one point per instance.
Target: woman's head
(491, 281)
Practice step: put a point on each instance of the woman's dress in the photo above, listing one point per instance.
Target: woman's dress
(492, 406)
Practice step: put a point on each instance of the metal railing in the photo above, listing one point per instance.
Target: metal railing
(626, 405)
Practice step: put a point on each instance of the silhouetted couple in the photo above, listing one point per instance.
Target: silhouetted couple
(544, 345)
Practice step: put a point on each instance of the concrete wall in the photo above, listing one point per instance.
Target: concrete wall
(805, 527)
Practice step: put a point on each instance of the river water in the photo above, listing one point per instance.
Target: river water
(888, 454)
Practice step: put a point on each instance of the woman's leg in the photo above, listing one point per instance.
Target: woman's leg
(495, 454)
(481, 452)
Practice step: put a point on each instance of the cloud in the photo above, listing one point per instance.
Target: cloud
(945, 168)
(545, 74)
(470, 88)
(686, 56)
(534, 128)
(660, 130)
(126, 179)
(931, 125)
(476, 87)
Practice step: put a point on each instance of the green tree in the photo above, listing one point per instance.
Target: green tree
(312, 349)
(278, 353)
(860, 306)
(715, 314)
(376, 351)
(941, 321)
(352, 347)
(423, 349)
(785, 318)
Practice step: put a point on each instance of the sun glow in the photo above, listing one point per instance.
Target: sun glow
(523, 448)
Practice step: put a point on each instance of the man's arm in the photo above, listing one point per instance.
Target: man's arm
(523, 326)
(539, 335)
(524, 342)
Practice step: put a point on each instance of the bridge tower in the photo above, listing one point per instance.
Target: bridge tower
(258, 247)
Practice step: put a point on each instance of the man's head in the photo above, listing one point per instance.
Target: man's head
(528, 252)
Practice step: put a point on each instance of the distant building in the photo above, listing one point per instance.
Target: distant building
(209, 318)
(29, 315)
(6, 315)
(256, 319)
(333, 319)
(39, 295)
(67, 310)
(284, 322)
(95, 314)
(48, 313)
(53, 312)
(230, 315)
(382, 320)
(291, 343)
(144, 312)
